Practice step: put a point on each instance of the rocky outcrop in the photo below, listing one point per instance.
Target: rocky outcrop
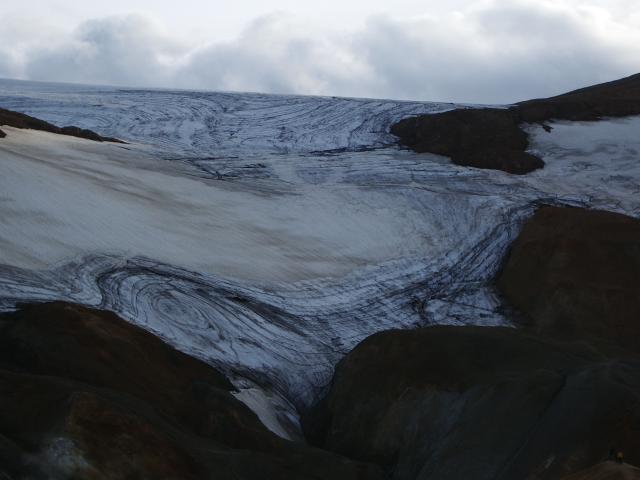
(20, 120)
(482, 138)
(538, 402)
(575, 273)
(492, 138)
(481, 403)
(86, 395)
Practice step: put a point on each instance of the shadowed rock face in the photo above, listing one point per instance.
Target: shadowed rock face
(481, 403)
(20, 120)
(490, 403)
(492, 138)
(84, 394)
(576, 273)
(607, 471)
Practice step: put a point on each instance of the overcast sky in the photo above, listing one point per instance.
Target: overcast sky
(485, 51)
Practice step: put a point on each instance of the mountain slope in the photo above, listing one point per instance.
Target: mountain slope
(576, 272)
(537, 402)
(493, 138)
(88, 395)
(482, 403)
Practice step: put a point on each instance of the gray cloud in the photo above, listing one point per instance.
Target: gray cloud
(492, 52)
(275, 54)
(496, 54)
(128, 50)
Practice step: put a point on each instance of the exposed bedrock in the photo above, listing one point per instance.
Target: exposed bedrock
(575, 273)
(20, 120)
(481, 403)
(87, 395)
(496, 403)
(483, 138)
(619, 98)
(492, 137)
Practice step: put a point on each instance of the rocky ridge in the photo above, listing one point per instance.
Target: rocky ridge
(20, 120)
(493, 138)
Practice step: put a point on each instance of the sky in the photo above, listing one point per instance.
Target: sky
(477, 51)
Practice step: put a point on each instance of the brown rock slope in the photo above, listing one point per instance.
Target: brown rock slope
(20, 120)
(575, 272)
(85, 395)
(492, 138)
(507, 404)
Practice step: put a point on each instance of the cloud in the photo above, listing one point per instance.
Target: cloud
(275, 54)
(491, 51)
(126, 50)
(499, 53)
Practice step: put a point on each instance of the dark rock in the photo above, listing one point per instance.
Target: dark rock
(619, 98)
(575, 273)
(492, 138)
(82, 133)
(84, 394)
(20, 120)
(538, 402)
(483, 138)
(607, 471)
(483, 403)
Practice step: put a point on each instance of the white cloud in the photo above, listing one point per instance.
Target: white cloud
(276, 54)
(491, 51)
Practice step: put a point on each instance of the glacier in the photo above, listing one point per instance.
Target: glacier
(269, 234)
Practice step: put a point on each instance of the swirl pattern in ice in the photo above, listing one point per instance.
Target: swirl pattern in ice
(211, 124)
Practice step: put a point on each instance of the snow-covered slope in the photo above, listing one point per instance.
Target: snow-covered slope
(269, 234)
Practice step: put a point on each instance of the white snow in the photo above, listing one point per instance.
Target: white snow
(273, 411)
(598, 162)
(66, 197)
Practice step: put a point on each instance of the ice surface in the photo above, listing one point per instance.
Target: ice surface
(268, 235)
(68, 198)
(211, 124)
